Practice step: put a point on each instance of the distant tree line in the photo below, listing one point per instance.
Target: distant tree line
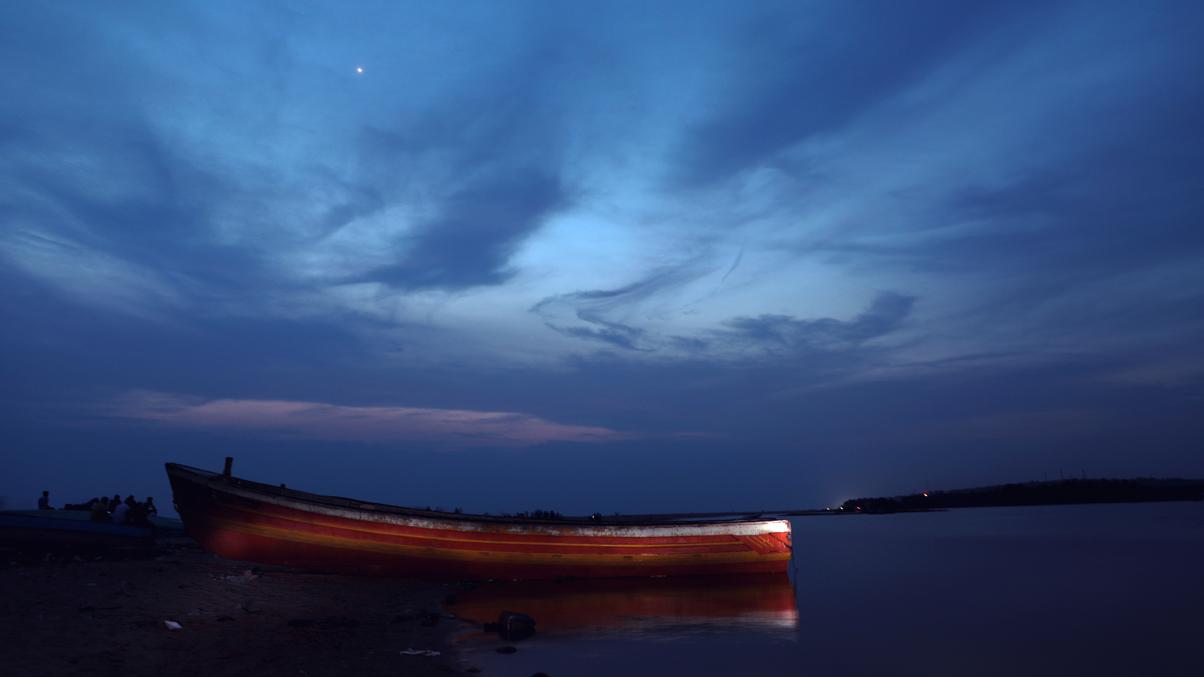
(1058, 492)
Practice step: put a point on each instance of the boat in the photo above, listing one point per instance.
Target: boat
(252, 521)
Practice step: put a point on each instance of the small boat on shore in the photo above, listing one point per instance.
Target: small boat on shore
(240, 519)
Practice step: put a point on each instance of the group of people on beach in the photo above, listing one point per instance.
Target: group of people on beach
(115, 510)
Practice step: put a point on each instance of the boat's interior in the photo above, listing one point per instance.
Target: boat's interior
(208, 477)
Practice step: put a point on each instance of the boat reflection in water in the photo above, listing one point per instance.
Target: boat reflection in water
(757, 602)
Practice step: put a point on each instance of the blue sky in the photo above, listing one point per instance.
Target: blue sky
(615, 256)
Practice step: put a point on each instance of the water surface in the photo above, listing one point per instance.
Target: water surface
(1067, 590)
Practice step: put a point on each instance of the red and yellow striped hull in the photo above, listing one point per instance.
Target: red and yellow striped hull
(250, 521)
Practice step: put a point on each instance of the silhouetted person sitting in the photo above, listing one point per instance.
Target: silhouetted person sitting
(44, 501)
(113, 502)
(151, 510)
(121, 512)
(137, 513)
(100, 510)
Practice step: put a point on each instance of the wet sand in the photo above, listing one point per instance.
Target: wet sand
(75, 615)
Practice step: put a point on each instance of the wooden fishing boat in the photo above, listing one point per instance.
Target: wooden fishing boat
(245, 520)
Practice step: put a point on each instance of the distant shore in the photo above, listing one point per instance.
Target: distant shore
(98, 615)
(1057, 492)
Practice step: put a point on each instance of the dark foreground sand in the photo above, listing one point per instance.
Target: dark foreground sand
(75, 615)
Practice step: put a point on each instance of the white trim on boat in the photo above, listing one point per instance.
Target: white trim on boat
(734, 528)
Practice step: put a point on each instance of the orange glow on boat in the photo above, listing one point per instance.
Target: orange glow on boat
(239, 519)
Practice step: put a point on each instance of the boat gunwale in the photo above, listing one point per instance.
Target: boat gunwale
(209, 479)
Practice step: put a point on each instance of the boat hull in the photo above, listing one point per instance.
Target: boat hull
(254, 522)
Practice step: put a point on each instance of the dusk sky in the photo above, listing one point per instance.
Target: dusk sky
(645, 256)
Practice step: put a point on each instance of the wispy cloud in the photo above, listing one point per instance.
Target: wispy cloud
(773, 108)
(595, 314)
(319, 420)
(884, 315)
(609, 316)
(1167, 371)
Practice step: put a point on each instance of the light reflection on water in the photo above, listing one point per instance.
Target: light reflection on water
(656, 608)
(1100, 590)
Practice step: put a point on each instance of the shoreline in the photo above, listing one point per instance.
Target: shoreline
(70, 614)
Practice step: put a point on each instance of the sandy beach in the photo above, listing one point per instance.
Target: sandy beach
(78, 615)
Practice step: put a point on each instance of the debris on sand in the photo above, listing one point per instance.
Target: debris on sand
(246, 576)
(429, 653)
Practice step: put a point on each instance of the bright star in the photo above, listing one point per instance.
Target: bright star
(359, 69)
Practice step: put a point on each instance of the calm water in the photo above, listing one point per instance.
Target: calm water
(1076, 590)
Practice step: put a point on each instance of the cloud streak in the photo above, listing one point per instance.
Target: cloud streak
(884, 315)
(318, 420)
(602, 316)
